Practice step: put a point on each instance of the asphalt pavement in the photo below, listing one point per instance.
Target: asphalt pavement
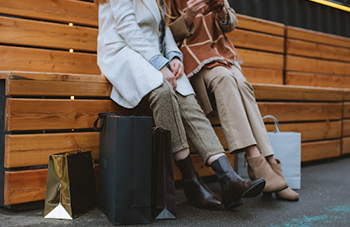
(324, 201)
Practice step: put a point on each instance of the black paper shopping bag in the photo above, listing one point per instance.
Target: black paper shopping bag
(124, 186)
(163, 184)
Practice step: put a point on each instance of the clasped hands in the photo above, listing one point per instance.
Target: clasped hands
(175, 72)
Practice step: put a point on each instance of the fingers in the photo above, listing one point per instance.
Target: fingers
(169, 76)
(177, 68)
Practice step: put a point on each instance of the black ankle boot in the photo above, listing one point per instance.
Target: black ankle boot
(197, 193)
(233, 187)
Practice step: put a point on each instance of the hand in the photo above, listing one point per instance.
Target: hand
(169, 76)
(216, 7)
(193, 7)
(177, 67)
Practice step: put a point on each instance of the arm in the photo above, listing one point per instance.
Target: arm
(231, 18)
(127, 27)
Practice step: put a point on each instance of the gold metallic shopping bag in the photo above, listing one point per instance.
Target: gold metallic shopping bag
(70, 187)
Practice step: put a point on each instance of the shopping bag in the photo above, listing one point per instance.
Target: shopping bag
(124, 180)
(163, 184)
(287, 148)
(70, 187)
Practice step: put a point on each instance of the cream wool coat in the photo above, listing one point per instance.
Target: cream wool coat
(127, 40)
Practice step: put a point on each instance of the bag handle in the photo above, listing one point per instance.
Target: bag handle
(274, 120)
(100, 115)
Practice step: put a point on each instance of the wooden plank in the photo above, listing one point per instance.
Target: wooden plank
(317, 80)
(346, 127)
(320, 150)
(34, 149)
(316, 50)
(345, 146)
(346, 94)
(259, 59)
(289, 111)
(51, 114)
(264, 76)
(39, 60)
(317, 37)
(260, 25)
(66, 11)
(346, 111)
(15, 31)
(255, 40)
(24, 186)
(294, 111)
(54, 84)
(296, 93)
(311, 131)
(302, 64)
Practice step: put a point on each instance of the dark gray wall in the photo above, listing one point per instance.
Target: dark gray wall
(299, 13)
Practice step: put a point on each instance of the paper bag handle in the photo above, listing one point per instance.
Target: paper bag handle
(274, 120)
(100, 115)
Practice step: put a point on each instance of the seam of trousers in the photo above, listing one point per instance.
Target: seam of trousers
(207, 154)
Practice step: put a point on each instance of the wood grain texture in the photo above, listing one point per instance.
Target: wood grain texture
(15, 31)
(317, 80)
(346, 110)
(316, 50)
(65, 11)
(256, 40)
(55, 84)
(290, 111)
(317, 37)
(303, 64)
(311, 131)
(50, 114)
(259, 59)
(263, 76)
(40, 60)
(35, 149)
(346, 127)
(24, 186)
(260, 25)
(296, 93)
(320, 150)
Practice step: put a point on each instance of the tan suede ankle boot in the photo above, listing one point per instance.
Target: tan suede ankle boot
(288, 193)
(258, 167)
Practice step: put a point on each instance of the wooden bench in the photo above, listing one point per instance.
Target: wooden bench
(320, 60)
(39, 75)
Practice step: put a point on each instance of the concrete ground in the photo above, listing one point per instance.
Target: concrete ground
(324, 201)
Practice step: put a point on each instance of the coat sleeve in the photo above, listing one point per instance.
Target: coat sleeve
(128, 28)
(231, 19)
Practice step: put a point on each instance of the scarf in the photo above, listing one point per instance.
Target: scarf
(207, 46)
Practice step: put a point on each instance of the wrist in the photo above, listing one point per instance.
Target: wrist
(222, 15)
(188, 19)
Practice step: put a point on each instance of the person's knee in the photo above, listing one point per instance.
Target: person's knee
(225, 79)
(163, 93)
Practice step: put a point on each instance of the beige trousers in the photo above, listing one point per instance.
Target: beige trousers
(183, 116)
(237, 109)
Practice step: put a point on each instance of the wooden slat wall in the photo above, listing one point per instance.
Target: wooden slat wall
(317, 59)
(67, 11)
(261, 46)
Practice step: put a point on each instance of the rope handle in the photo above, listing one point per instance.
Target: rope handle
(274, 120)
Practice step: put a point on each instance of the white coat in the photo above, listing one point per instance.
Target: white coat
(127, 40)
